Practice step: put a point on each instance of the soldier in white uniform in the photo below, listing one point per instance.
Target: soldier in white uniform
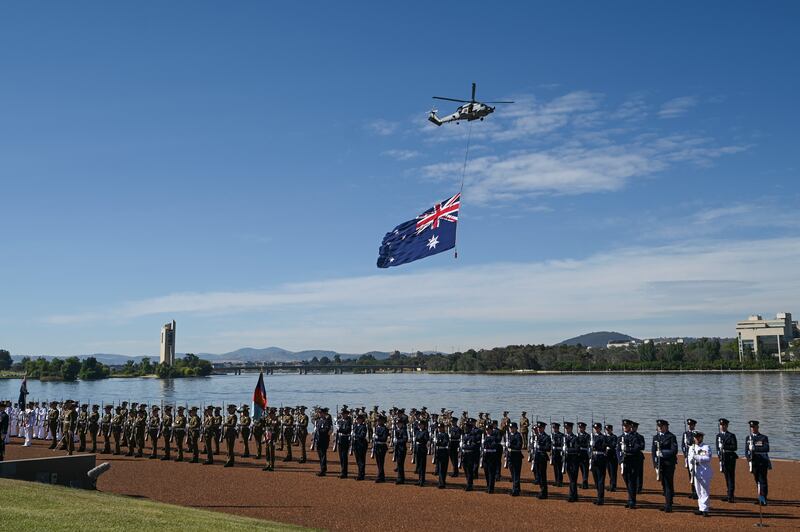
(13, 421)
(29, 423)
(41, 421)
(699, 459)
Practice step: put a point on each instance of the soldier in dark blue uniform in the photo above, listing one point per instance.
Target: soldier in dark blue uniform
(572, 460)
(360, 444)
(441, 448)
(557, 457)
(490, 458)
(454, 432)
(470, 451)
(597, 461)
(630, 446)
(687, 439)
(664, 453)
(421, 438)
(515, 457)
(497, 435)
(344, 428)
(400, 448)
(322, 438)
(756, 450)
(727, 448)
(380, 443)
(543, 444)
(583, 442)
(612, 458)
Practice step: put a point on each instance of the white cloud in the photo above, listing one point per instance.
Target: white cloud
(401, 155)
(675, 285)
(677, 107)
(576, 168)
(382, 127)
(528, 117)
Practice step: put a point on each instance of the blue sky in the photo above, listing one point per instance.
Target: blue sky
(235, 167)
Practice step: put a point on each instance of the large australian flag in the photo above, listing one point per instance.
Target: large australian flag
(429, 233)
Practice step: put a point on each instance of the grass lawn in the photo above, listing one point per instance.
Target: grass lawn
(35, 506)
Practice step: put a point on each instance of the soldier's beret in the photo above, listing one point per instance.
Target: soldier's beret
(108, 407)
(95, 407)
(691, 421)
(217, 408)
(193, 409)
(597, 426)
(514, 425)
(753, 423)
(524, 412)
(245, 407)
(554, 424)
(361, 416)
(661, 422)
(168, 407)
(424, 407)
(325, 409)
(568, 424)
(609, 427)
(627, 422)
(581, 424)
(182, 408)
(155, 407)
(723, 421)
(84, 406)
(541, 424)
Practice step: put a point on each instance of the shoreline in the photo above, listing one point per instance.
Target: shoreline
(510, 373)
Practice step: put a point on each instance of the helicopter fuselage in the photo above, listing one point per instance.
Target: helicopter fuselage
(468, 112)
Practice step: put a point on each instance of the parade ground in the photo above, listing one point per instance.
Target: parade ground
(293, 494)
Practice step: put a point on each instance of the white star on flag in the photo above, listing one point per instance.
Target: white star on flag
(432, 242)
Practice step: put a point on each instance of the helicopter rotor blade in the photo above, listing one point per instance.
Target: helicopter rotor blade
(473, 92)
(500, 102)
(450, 99)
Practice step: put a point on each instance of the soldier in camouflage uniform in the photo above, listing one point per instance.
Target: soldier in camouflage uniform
(52, 422)
(154, 431)
(302, 432)
(195, 426)
(140, 429)
(258, 434)
(166, 431)
(230, 434)
(272, 432)
(105, 428)
(94, 426)
(83, 427)
(179, 423)
(209, 434)
(244, 429)
(288, 433)
(524, 425)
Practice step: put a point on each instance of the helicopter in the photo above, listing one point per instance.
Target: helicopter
(471, 110)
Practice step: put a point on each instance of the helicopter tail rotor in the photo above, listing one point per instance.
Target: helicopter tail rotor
(433, 118)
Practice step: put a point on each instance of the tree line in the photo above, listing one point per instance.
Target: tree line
(700, 354)
(89, 368)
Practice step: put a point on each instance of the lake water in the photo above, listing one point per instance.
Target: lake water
(771, 398)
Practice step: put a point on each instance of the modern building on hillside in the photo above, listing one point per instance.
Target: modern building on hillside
(167, 354)
(766, 337)
(616, 344)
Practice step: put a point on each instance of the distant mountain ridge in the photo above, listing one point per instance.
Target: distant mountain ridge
(597, 339)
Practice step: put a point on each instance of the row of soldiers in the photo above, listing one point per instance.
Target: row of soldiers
(456, 443)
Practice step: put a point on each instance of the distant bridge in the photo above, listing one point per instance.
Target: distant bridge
(305, 369)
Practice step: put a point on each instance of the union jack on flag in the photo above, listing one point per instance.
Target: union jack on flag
(447, 210)
(430, 233)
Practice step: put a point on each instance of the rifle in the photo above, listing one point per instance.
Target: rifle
(591, 446)
(372, 450)
(622, 450)
(658, 460)
(563, 450)
(506, 451)
(692, 468)
(461, 450)
(720, 453)
(686, 444)
(480, 461)
(352, 437)
(553, 452)
(336, 439)
(535, 447)
(413, 447)
(750, 447)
